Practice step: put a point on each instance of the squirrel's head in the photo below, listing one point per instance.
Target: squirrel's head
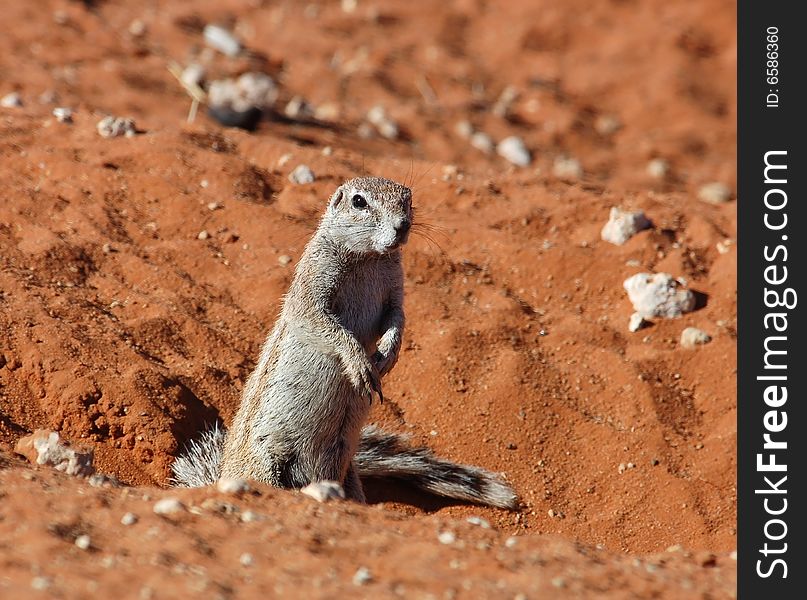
(369, 215)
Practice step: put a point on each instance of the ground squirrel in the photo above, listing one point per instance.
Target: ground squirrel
(339, 332)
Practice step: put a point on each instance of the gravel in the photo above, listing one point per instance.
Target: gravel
(110, 127)
(692, 337)
(362, 576)
(567, 168)
(446, 537)
(324, 491)
(168, 506)
(482, 141)
(513, 149)
(222, 40)
(235, 487)
(714, 193)
(658, 295)
(63, 114)
(658, 168)
(12, 100)
(623, 225)
(301, 175)
(128, 518)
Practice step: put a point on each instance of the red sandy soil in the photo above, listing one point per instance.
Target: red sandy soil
(125, 332)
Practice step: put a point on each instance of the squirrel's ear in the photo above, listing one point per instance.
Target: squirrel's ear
(336, 198)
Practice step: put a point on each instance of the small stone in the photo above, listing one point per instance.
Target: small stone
(233, 486)
(446, 537)
(193, 75)
(83, 542)
(714, 193)
(110, 127)
(45, 447)
(40, 583)
(251, 91)
(299, 108)
(63, 114)
(137, 28)
(658, 295)
(558, 582)
(692, 337)
(655, 462)
(636, 322)
(675, 548)
(479, 521)
(284, 159)
(505, 101)
(482, 141)
(567, 168)
(511, 542)
(550, 513)
(362, 576)
(222, 40)
(249, 516)
(324, 491)
(327, 151)
(733, 555)
(623, 225)
(607, 124)
(513, 149)
(464, 129)
(382, 122)
(168, 506)
(128, 519)
(246, 559)
(622, 468)
(301, 175)
(203, 235)
(213, 206)
(658, 168)
(12, 100)
(283, 260)
(107, 248)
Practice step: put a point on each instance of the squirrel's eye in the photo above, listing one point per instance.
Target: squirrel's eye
(359, 201)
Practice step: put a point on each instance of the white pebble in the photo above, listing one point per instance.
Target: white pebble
(362, 576)
(203, 235)
(12, 100)
(464, 129)
(658, 295)
(128, 519)
(110, 127)
(213, 206)
(607, 124)
(40, 583)
(246, 560)
(623, 225)
(567, 168)
(714, 193)
(83, 542)
(301, 175)
(324, 491)
(249, 516)
(513, 149)
(479, 521)
(482, 141)
(692, 336)
(283, 260)
(299, 108)
(446, 537)
(222, 40)
(658, 168)
(168, 506)
(227, 485)
(63, 114)
(511, 542)
(193, 74)
(636, 322)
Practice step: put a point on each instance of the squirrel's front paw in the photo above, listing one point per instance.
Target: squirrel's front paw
(365, 377)
(384, 362)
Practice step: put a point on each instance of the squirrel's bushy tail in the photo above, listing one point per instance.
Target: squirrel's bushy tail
(380, 455)
(389, 456)
(200, 463)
